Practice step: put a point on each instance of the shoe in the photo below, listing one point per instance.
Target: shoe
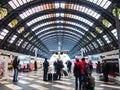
(15, 80)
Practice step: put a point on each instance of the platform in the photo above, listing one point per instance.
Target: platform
(34, 81)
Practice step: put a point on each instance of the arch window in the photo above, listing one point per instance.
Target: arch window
(107, 38)
(95, 44)
(88, 48)
(21, 29)
(28, 46)
(26, 35)
(118, 12)
(3, 13)
(19, 42)
(24, 44)
(13, 23)
(90, 45)
(12, 39)
(106, 23)
(98, 29)
(93, 35)
(100, 42)
(3, 33)
(114, 32)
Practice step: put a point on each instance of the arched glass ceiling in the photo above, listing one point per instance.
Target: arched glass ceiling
(84, 20)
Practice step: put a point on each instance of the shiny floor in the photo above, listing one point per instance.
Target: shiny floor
(34, 81)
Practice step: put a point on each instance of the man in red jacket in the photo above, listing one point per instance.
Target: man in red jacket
(84, 72)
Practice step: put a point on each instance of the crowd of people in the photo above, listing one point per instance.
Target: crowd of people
(81, 70)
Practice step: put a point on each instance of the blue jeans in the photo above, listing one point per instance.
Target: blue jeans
(15, 74)
(77, 82)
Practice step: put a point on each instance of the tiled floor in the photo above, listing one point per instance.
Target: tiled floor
(33, 81)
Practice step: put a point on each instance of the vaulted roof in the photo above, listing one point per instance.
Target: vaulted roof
(43, 24)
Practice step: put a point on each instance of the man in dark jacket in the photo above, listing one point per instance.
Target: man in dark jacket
(45, 69)
(35, 65)
(15, 66)
(77, 74)
(105, 68)
(58, 67)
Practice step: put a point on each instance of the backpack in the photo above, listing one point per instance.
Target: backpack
(77, 70)
(86, 69)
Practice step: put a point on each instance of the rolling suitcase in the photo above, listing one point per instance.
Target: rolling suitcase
(90, 83)
(65, 73)
(54, 76)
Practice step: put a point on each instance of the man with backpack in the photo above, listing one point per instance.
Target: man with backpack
(77, 74)
(69, 64)
(45, 69)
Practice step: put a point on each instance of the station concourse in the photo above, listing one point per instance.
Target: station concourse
(33, 30)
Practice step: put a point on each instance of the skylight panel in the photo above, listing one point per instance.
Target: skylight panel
(114, 32)
(102, 3)
(95, 44)
(77, 8)
(24, 1)
(56, 5)
(89, 11)
(19, 42)
(97, 16)
(86, 10)
(62, 5)
(75, 30)
(98, 2)
(3, 33)
(107, 5)
(57, 14)
(12, 39)
(11, 3)
(100, 42)
(106, 38)
(95, 1)
(21, 2)
(62, 14)
(17, 3)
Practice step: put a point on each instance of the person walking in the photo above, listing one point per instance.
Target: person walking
(35, 66)
(69, 64)
(77, 74)
(90, 64)
(105, 69)
(15, 66)
(45, 69)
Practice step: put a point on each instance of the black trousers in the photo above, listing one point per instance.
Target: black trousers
(59, 73)
(45, 74)
(105, 77)
(77, 83)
